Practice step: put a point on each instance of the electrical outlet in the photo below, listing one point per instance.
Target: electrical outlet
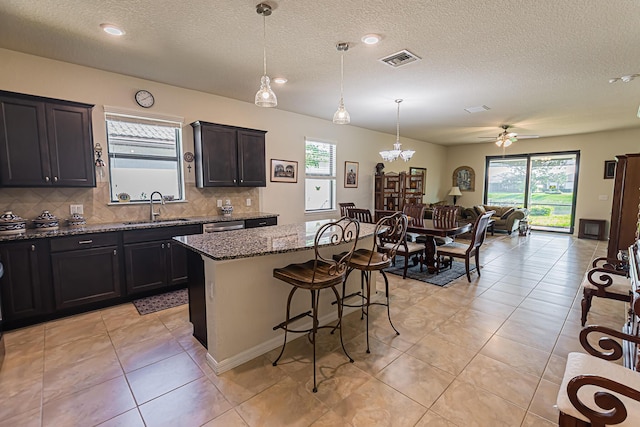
(76, 209)
(219, 203)
(248, 202)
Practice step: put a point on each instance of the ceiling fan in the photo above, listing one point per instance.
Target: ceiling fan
(506, 138)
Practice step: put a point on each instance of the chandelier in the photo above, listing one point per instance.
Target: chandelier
(265, 96)
(341, 116)
(392, 155)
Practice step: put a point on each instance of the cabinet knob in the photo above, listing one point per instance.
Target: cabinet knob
(55, 179)
(168, 245)
(163, 246)
(234, 181)
(46, 178)
(115, 252)
(33, 248)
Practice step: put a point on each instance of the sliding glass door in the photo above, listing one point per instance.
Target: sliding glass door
(544, 183)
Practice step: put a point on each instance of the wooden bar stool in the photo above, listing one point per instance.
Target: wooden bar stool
(317, 274)
(377, 258)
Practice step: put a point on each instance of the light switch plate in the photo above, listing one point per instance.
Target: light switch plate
(219, 203)
(248, 202)
(76, 209)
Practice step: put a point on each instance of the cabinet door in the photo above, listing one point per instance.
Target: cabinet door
(70, 146)
(219, 156)
(178, 262)
(251, 161)
(85, 276)
(24, 155)
(146, 266)
(25, 285)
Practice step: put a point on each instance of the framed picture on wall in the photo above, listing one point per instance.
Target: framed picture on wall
(418, 171)
(465, 178)
(284, 170)
(609, 169)
(351, 174)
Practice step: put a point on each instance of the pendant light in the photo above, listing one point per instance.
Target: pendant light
(392, 155)
(265, 96)
(341, 116)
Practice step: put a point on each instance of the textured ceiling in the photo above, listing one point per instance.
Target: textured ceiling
(541, 66)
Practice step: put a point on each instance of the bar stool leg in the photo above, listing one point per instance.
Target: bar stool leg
(315, 295)
(340, 321)
(386, 289)
(285, 325)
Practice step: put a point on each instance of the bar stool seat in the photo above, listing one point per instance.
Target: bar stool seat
(318, 274)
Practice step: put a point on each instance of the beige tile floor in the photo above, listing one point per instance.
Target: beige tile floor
(487, 353)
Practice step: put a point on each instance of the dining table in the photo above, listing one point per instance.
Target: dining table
(432, 229)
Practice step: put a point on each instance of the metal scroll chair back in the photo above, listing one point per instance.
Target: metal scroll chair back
(345, 230)
(391, 234)
(344, 208)
(361, 215)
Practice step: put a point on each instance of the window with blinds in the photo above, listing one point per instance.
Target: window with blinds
(144, 156)
(320, 179)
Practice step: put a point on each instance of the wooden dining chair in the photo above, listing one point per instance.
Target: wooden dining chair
(397, 241)
(459, 250)
(318, 274)
(344, 208)
(415, 213)
(361, 215)
(445, 217)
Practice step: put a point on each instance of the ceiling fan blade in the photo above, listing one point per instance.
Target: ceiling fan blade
(528, 136)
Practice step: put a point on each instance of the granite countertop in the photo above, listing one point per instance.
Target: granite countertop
(252, 242)
(33, 233)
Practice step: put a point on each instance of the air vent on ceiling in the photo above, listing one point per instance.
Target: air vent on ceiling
(398, 59)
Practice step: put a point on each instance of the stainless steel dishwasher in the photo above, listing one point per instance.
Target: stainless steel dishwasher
(215, 227)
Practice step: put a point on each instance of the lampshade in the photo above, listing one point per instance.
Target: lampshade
(265, 96)
(397, 152)
(455, 191)
(341, 116)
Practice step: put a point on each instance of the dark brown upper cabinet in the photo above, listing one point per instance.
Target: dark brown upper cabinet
(45, 142)
(229, 156)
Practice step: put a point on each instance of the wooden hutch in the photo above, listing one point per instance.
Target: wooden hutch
(394, 190)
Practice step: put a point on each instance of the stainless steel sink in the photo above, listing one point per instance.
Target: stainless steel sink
(156, 221)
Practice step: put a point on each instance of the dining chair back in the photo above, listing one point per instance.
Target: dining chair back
(395, 241)
(415, 211)
(362, 215)
(344, 207)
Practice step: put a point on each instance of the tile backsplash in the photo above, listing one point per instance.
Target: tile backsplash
(30, 202)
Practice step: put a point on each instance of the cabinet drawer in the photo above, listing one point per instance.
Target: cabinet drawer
(260, 222)
(162, 233)
(84, 241)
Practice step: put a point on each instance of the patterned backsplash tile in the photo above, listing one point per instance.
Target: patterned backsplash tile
(30, 202)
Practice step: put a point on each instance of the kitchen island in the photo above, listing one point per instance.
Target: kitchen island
(234, 300)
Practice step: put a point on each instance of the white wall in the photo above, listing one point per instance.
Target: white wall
(594, 149)
(285, 138)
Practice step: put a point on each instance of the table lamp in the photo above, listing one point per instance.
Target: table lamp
(455, 192)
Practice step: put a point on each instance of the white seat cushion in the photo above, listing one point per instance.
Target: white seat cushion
(621, 284)
(453, 248)
(584, 364)
(411, 246)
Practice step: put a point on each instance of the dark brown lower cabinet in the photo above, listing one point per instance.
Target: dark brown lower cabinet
(85, 276)
(26, 283)
(153, 261)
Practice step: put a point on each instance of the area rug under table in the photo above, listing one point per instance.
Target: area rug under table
(161, 302)
(441, 279)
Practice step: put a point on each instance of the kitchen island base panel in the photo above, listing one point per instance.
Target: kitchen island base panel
(244, 302)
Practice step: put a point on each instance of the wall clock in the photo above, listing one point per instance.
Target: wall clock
(144, 98)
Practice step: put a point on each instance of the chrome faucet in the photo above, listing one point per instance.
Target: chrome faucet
(154, 215)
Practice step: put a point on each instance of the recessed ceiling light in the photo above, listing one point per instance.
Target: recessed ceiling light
(112, 30)
(279, 80)
(371, 39)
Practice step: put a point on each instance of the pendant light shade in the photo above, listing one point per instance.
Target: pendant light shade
(397, 152)
(341, 116)
(265, 96)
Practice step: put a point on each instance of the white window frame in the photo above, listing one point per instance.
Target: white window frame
(329, 176)
(117, 114)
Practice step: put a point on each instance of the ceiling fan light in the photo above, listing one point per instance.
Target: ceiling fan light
(507, 142)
